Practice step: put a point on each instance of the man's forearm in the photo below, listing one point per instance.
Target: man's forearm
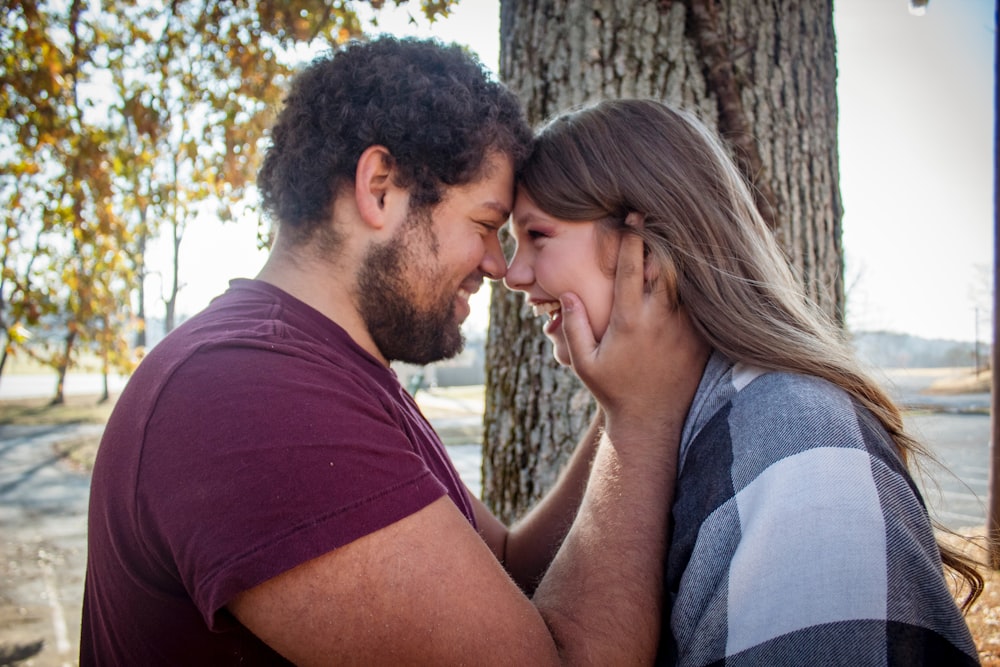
(533, 541)
(602, 596)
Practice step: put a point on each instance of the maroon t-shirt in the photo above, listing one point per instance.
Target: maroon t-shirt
(255, 437)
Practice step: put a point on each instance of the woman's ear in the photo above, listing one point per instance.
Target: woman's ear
(373, 184)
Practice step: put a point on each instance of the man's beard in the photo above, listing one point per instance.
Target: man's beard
(401, 328)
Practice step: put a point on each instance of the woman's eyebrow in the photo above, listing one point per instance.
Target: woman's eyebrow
(524, 219)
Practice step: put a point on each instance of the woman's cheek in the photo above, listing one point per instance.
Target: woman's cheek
(600, 318)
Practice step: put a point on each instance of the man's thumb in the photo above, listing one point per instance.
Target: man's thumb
(576, 329)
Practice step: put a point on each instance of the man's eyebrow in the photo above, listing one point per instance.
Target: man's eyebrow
(498, 207)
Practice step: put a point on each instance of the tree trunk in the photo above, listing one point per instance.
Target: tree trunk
(3, 357)
(763, 72)
(140, 277)
(105, 361)
(534, 409)
(63, 367)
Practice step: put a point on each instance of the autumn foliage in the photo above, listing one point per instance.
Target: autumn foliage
(124, 122)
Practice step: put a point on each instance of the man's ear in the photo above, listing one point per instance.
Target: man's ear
(373, 186)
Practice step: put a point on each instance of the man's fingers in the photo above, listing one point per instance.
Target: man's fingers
(629, 275)
(576, 329)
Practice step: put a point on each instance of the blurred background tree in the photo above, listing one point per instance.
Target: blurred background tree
(123, 122)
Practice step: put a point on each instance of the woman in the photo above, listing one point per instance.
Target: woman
(799, 537)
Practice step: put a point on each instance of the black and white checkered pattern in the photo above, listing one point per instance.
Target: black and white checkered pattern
(799, 538)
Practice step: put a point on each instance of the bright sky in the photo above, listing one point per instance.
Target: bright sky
(916, 159)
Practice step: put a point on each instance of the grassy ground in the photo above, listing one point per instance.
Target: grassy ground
(35, 411)
(983, 617)
(964, 381)
(79, 451)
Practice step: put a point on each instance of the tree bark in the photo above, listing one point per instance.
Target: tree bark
(763, 72)
(63, 366)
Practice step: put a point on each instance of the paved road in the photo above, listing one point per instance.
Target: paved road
(43, 507)
(956, 490)
(956, 429)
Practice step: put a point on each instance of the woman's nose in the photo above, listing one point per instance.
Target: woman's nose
(519, 273)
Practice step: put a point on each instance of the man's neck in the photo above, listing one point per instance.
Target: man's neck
(323, 285)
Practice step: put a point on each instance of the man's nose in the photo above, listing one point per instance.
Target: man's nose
(494, 264)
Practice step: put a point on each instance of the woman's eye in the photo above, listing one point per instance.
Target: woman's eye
(534, 234)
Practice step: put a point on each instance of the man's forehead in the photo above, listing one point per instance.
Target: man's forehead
(494, 189)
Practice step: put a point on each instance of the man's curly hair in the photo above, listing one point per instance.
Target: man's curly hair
(433, 106)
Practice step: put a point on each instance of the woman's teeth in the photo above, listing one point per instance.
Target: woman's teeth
(549, 308)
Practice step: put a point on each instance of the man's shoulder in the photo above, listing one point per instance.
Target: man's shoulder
(250, 363)
(251, 327)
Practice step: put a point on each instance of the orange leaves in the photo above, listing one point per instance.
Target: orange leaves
(124, 121)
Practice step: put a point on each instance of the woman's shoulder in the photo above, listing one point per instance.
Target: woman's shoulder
(774, 394)
(768, 414)
(785, 412)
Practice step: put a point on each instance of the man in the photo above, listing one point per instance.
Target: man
(266, 491)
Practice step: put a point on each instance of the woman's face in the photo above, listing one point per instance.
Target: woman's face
(557, 256)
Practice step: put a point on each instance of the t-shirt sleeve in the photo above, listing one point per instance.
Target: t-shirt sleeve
(254, 463)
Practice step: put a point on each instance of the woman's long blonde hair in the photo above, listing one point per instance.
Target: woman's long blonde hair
(713, 248)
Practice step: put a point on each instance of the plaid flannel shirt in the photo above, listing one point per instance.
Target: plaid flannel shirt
(799, 538)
